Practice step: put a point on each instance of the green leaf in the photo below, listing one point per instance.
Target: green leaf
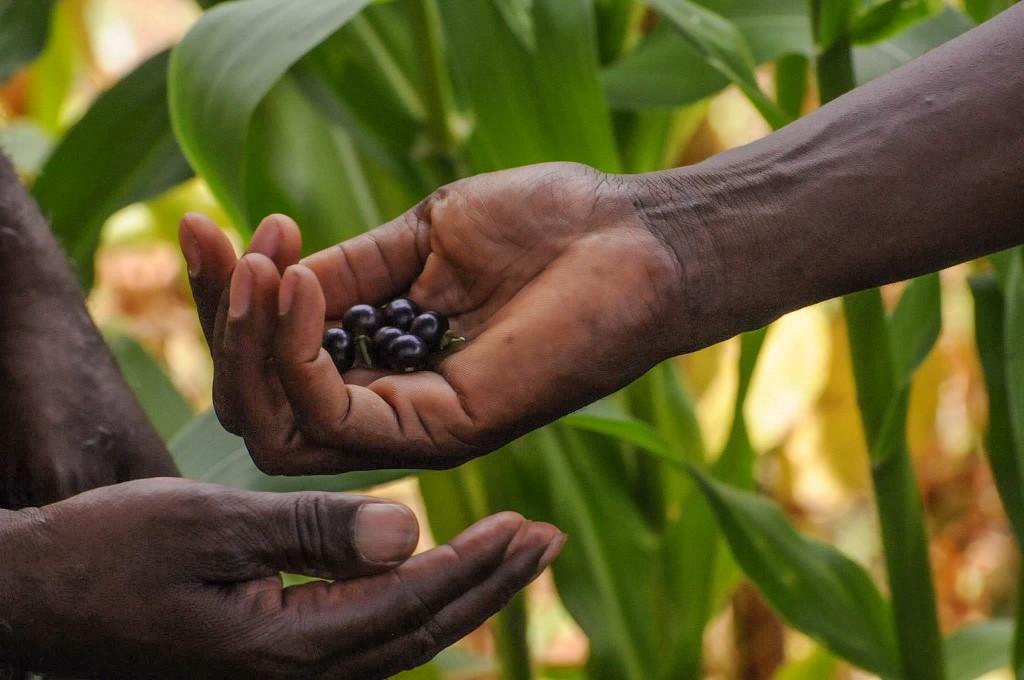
(554, 91)
(24, 26)
(300, 165)
(604, 418)
(979, 649)
(518, 15)
(983, 10)
(890, 17)
(1013, 344)
(664, 71)
(814, 587)
(204, 451)
(120, 152)
(876, 60)
(724, 47)
(1005, 455)
(772, 29)
(226, 66)
(914, 325)
(160, 399)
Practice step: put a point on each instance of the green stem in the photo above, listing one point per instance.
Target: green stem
(900, 510)
(438, 92)
(512, 645)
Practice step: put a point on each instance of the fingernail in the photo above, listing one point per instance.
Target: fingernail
(286, 292)
(241, 291)
(267, 241)
(190, 248)
(385, 532)
(553, 550)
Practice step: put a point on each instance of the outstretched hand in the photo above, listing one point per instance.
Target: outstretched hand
(562, 292)
(167, 578)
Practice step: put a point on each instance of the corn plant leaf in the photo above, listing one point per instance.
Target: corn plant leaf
(914, 325)
(301, 165)
(204, 451)
(772, 29)
(226, 66)
(813, 586)
(666, 70)
(24, 27)
(890, 17)
(604, 418)
(983, 10)
(1005, 455)
(976, 650)
(555, 91)
(125, 142)
(159, 398)
(876, 60)
(1013, 344)
(724, 47)
(518, 15)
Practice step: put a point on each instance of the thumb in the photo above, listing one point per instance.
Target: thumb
(335, 536)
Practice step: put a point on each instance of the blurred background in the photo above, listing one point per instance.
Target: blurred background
(801, 409)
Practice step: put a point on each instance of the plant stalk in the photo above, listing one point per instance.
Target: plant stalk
(900, 509)
(438, 91)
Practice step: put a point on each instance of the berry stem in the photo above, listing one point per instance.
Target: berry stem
(449, 339)
(363, 344)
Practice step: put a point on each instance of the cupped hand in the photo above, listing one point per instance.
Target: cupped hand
(562, 292)
(167, 578)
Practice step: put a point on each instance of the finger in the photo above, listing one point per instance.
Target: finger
(210, 259)
(346, 426)
(245, 353)
(335, 536)
(374, 266)
(278, 238)
(456, 586)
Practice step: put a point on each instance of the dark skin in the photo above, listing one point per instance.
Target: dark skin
(569, 283)
(51, 355)
(168, 578)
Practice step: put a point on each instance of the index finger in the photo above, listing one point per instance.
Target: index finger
(375, 266)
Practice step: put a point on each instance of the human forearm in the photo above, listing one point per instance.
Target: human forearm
(913, 172)
(68, 421)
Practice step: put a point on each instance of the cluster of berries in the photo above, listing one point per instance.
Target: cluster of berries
(396, 337)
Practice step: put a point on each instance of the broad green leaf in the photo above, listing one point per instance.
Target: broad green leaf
(724, 47)
(120, 152)
(890, 17)
(226, 66)
(1005, 455)
(302, 166)
(160, 399)
(876, 60)
(772, 29)
(1013, 344)
(914, 325)
(664, 71)
(24, 26)
(204, 451)
(817, 589)
(518, 15)
(604, 418)
(559, 108)
(979, 649)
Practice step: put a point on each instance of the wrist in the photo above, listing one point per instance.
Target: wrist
(12, 539)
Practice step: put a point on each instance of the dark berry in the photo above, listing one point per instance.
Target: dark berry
(431, 327)
(381, 341)
(408, 353)
(400, 313)
(362, 320)
(339, 345)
